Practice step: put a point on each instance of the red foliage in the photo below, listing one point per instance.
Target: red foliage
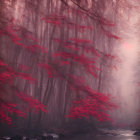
(36, 48)
(49, 69)
(76, 81)
(84, 61)
(110, 56)
(94, 105)
(9, 74)
(28, 36)
(62, 63)
(72, 47)
(77, 58)
(79, 28)
(6, 77)
(31, 103)
(9, 108)
(16, 40)
(92, 50)
(57, 20)
(18, 43)
(12, 34)
(109, 34)
(23, 67)
(76, 46)
(80, 40)
(26, 77)
(54, 22)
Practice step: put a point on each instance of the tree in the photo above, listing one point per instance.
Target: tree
(51, 52)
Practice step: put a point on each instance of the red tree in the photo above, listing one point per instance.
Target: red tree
(73, 52)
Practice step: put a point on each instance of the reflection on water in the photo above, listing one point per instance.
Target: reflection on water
(117, 138)
(90, 137)
(109, 135)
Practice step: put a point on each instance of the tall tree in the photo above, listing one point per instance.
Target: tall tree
(58, 58)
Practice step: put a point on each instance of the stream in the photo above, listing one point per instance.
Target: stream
(119, 134)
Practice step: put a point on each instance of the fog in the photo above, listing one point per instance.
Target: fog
(81, 60)
(127, 77)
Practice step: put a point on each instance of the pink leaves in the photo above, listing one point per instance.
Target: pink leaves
(84, 61)
(27, 77)
(77, 58)
(72, 47)
(54, 22)
(87, 109)
(76, 52)
(23, 67)
(110, 35)
(36, 48)
(19, 40)
(6, 77)
(92, 50)
(76, 81)
(13, 108)
(6, 74)
(4, 117)
(93, 104)
(12, 34)
(9, 74)
(90, 106)
(10, 108)
(57, 20)
(62, 63)
(80, 40)
(76, 44)
(31, 103)
(49, 69)
(30, 37)
(54, 19)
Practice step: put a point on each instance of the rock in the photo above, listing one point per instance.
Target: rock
(55, 136)
(49, 137)
(6, 138)
(45, 134)
(43, 138)
(27, 138)
(24, 138)
(17, 137)
(61, 135)
(137, 133)
(33, 138)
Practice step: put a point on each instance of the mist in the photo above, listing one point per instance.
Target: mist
(69, 68)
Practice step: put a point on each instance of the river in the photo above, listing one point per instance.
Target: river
(109, 135)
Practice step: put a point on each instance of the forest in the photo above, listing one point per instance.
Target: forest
(69, 69)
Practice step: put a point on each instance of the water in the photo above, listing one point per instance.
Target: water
(110, 135)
